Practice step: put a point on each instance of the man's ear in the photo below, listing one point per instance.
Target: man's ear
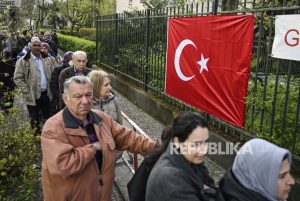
(176, 142)
(65, 98)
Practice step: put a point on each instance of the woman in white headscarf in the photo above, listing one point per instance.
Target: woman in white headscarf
(260, 172)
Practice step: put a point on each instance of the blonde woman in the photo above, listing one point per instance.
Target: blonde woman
(104, 99)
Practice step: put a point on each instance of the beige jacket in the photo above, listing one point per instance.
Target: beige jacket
(27, 77)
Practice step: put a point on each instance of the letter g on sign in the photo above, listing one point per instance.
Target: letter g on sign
(291, 37)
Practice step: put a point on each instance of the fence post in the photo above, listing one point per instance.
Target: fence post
(215, 7)
(97, 40)
(115, 52)
(147, 36)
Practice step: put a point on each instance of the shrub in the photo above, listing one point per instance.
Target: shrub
(72, 43)
(64, 31)
(19, 175)
(256, 99)
(87, 33)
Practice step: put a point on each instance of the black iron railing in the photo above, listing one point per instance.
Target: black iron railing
(132, 45)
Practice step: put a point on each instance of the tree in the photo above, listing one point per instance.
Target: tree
(158, 4)
(27, 12)
(9, 18)
(106, 7)
(155, 4)
(75, 11)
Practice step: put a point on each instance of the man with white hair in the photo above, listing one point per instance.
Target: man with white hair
(79, 60)
(32, 77)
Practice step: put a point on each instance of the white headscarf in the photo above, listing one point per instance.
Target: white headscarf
(257, 166)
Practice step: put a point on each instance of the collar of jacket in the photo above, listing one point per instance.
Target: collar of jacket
(180, 162)
(110, 97)
(84, 71)
(70, 122)
(232, 189)
(27, 56)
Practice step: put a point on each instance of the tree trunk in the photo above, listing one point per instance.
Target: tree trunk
(72, 28)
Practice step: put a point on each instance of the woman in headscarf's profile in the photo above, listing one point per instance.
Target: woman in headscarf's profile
(260, 172)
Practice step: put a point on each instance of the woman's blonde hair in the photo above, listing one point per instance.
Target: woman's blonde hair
(97, 79)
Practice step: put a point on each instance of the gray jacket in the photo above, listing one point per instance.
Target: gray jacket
(174, 178)
(109, 106)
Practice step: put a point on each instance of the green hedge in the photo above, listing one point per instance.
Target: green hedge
(87, 33)
(65, 32)
(72, 43)
(19, 158)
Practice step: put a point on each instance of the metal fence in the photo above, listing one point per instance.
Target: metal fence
(132, 45)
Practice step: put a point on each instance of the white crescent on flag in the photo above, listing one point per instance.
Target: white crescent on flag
(177, 59)
(178, 52)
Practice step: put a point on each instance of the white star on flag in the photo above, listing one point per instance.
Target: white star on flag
(202, 63)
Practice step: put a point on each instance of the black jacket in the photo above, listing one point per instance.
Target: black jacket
(231, 190)
(54, 87)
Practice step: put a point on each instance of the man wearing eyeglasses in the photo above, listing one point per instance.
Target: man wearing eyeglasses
(79, 67)
(32, 77)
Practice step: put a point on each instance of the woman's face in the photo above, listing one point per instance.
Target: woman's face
(194, 148)
(106, 87)
(285, 181)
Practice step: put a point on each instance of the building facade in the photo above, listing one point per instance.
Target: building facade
(128, 5)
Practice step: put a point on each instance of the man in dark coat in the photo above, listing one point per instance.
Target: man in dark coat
(24, 40)
(54, 85)
(79, 67)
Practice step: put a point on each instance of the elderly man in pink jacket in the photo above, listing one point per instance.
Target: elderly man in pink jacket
(78, 146)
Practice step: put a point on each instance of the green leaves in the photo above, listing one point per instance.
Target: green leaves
(71, 43)
(258, 107)
(18, 176)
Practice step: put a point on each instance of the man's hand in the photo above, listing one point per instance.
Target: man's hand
(97, 145)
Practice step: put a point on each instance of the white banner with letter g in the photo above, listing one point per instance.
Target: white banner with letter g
(286, 43)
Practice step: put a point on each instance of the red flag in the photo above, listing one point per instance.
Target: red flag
(208, 63)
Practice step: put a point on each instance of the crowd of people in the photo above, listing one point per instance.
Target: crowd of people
(79, 119)
(14, 47)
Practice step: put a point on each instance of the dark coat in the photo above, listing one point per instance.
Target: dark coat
(54, 87)
(231, 190)
(137, 185)
(174, 178)
(22, 42)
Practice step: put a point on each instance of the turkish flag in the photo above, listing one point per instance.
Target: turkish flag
(208, 63)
